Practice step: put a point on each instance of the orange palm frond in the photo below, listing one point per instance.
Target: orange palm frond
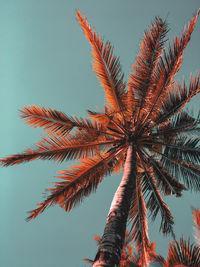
(177, 98)
(107, 121)
(119, 160)
(55, 121)
(60, 149)
(100, 117)
(183, 254)
(79, 181)
(140, 81)
(106, 66)
(167, 68)
(132, 102)
(196, 217)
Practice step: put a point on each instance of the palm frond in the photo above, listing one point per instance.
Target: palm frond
(165, 181)
(106, 66)
(184, 148)
(100, 117)
(168, 66)
(196, 217)
(139, 227)
(131, 103)
(140, 80)
(177, 98)
(189, 173)
(181, 123)
(156, 204)
(108, 122)
(55, 121)
(78, 182)
(183, 253)
(60, 148)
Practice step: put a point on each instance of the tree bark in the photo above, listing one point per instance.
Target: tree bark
(109, 251)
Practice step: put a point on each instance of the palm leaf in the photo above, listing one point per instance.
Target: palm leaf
(181, 123)
(140, 81)
(100, 117)
(60, 149)
(55, 121)
(183, 148)
(182, 170)
(139, 227)
(165, 181)
(155, 202)
(177, 98)
(107, 122)
(106, 66)
(183, 253)
(168, 66)
(78, 182)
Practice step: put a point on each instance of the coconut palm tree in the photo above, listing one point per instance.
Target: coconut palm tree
(142, 130)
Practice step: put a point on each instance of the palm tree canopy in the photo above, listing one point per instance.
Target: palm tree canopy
(147, 111)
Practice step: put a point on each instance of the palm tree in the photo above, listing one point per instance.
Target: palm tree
(142, 130)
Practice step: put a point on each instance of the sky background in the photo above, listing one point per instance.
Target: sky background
(45, 60)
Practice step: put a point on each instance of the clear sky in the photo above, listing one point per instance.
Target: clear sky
(45, 60)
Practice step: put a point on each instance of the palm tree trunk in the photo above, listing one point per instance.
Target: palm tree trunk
(109, 251)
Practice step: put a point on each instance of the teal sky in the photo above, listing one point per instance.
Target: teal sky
(45, 60)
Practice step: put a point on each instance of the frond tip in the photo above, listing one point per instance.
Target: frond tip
(106, 66)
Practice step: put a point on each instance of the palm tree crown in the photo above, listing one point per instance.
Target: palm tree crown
(143, 118)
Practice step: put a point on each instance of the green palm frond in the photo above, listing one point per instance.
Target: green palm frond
(156, 204)
(165, 181)
(181, 148)
(189, 173)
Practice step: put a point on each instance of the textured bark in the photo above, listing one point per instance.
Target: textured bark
(109, 251)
